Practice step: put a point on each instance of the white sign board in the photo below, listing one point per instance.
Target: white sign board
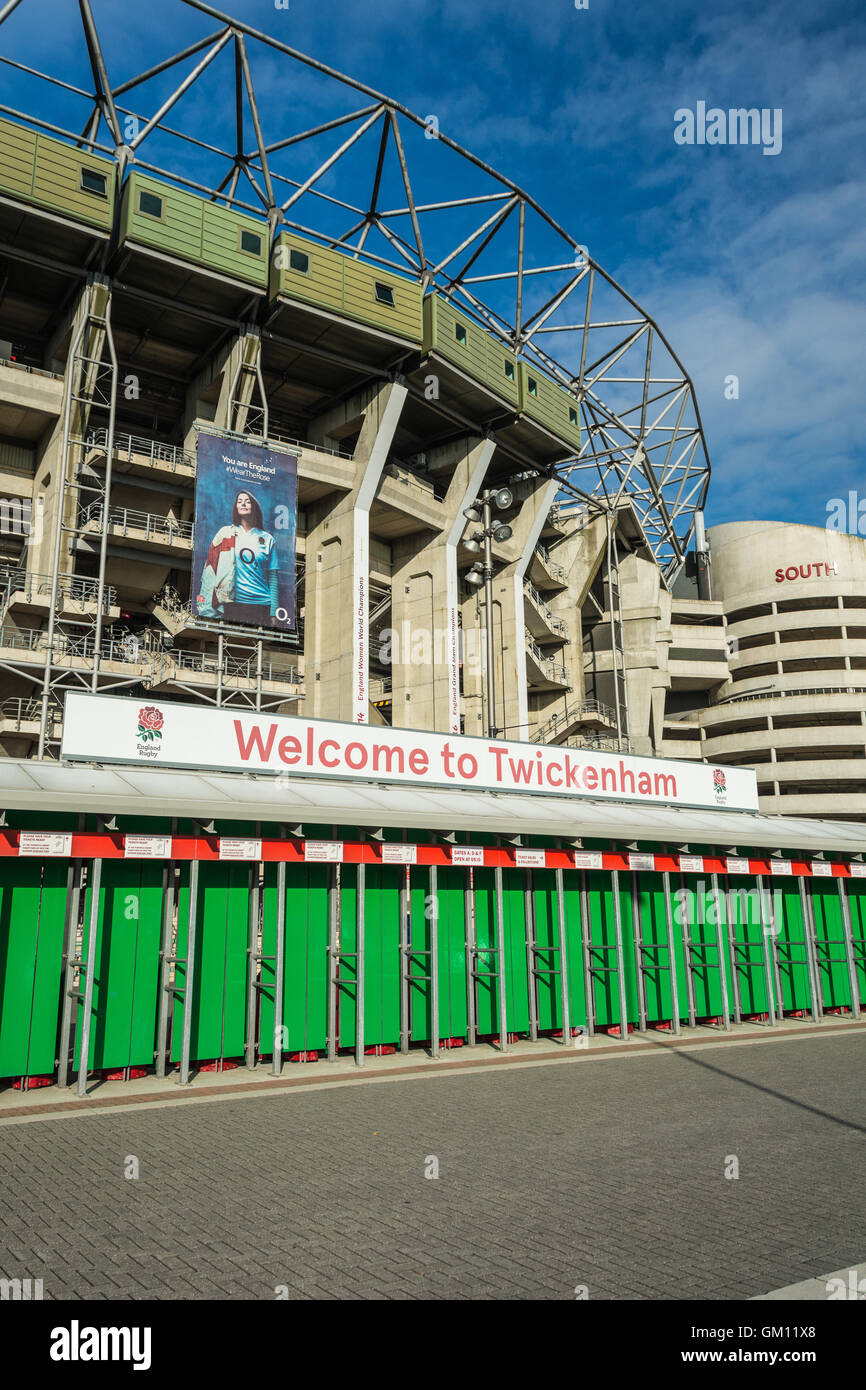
(399, 854)
(147, 847)
(323, 851)
(529, 858)
(587, 858)
(641, 861)
(737, 866)
(44, 845)
(108, 729)
(239, 849)
(467, 854)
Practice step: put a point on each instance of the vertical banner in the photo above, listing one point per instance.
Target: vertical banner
(453, 639)
(246, 512)
(361, 618)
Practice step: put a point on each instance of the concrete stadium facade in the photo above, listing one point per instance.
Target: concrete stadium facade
(793, 705)
(137, 314)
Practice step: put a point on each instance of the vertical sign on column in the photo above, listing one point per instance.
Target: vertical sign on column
(453, 642)
(361, 618)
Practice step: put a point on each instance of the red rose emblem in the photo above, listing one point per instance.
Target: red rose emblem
(150, 722)
(719, 778)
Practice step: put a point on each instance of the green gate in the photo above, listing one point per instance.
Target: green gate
(219, 987)
(602, 948)
(487, 943)
(830, 948)
(748, 945)
(126, 965)
(305, 963)
(32, 920)
(381, 955)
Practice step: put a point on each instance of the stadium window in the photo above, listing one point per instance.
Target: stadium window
(532, 386)
(572, 415)
(384, 294)
(509, 369)
(251, 242)
(299, 260)
(150, 204)
(92, 182)
(460, 333)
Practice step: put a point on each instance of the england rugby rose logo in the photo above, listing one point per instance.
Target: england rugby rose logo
(719, 781)
(150, 722)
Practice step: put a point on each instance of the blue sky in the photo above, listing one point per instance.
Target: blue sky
(752, 265)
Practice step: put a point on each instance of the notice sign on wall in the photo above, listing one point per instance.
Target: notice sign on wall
(108, 729)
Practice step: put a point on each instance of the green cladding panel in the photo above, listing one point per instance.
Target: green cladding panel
(337, 284)
(833, 973)
(477, 353)
(182, 225)
(656, 954)
(787, 914)
(548, 962)
(126, 971)
(602, 948)
(487, 941)
(305, 979)
(856, 893)
(218, 1001)
(381, 955)
(448, 904)
(550, 405)
(452, 953)
(747, 944)
(32, 917)
(700, 920)
(50, 174)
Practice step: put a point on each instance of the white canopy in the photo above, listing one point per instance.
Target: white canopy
(134, 791)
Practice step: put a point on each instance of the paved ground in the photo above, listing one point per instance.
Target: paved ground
(607, 1172)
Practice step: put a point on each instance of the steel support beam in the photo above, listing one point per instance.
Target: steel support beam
(849, 947)
(189, 975)
(83, 1041)
(620, 956)
(279, 971)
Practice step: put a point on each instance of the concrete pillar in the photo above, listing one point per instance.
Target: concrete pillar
(229, 374)
(337, 658)
(425, 610)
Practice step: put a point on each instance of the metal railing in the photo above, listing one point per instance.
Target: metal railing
(603, 743)
(25, 367)
(136, 447)
(557, 625)
(554, 570)
(553, 670)
(586, 709)
(789, 694)
(123, 520)
(239, 668)
(22, 709)
(127, 648)
(72, 588)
